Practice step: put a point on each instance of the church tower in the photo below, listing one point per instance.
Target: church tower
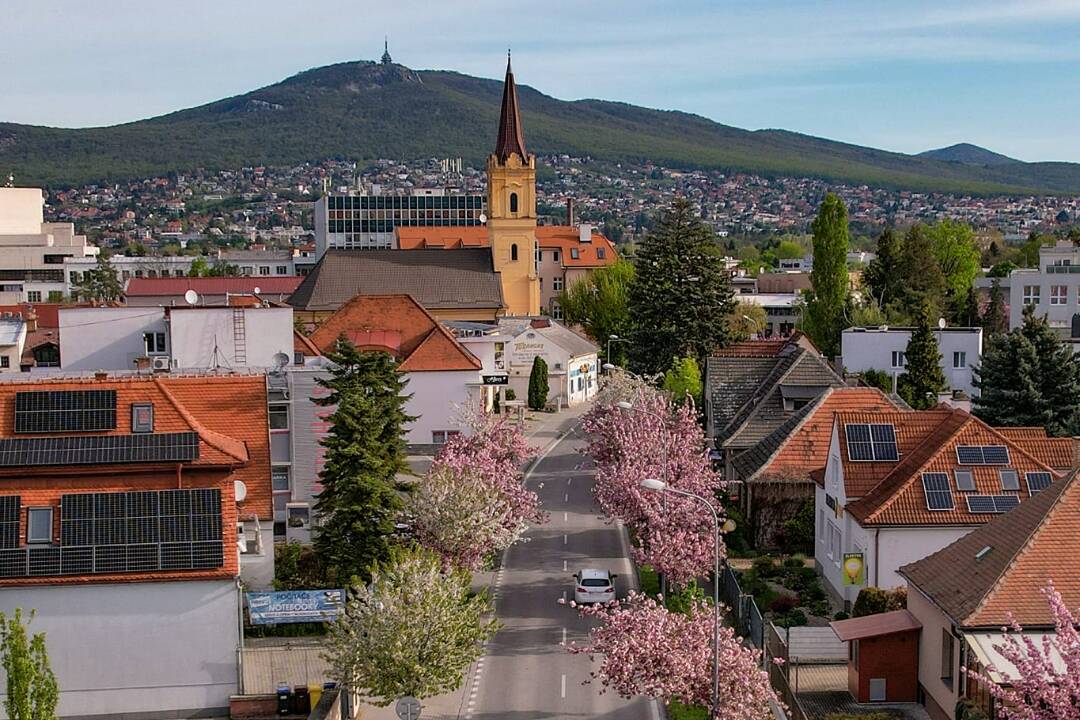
(511, 205)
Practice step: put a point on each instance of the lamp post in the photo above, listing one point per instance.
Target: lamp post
(662, 487)
(612, 339)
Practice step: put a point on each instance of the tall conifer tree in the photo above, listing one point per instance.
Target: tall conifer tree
(923, 281)
(680, 296)
(994, 320)
(365, 450)
(823, 316)
(923, 377)
(882, 276)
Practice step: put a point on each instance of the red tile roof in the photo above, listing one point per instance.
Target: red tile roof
(548, 237)
(48, 314)
(154, 287)
(399, 324)
(764, 347)
(876, 625)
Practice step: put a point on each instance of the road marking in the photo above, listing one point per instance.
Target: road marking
(564, 636)
(564, 518)
(655, 705)
(562, 690)
(564, 595)
(564, 539)
(566, 497)
(564, 566)
(568, 480)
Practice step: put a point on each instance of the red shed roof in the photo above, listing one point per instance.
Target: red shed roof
(875, 625)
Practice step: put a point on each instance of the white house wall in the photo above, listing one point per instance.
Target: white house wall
(106, 338)
(437, 401)
(901, 546)
(207, 338)
(873, 350)
(934, 624)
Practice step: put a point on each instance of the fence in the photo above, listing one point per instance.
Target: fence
(780, 673)
(292, 662)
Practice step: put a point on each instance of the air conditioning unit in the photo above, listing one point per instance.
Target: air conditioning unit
(161, 362)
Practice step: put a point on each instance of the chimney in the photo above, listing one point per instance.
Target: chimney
(570, 212)
(31, 321)
(101, 375)
(142, 363)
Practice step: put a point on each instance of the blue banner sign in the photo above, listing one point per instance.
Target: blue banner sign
(294, 606)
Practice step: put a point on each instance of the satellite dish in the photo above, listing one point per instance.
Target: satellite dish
(257, 290)
(483, 218)
(941, 323)
(240, 490)
(191, 297)
(280, 360)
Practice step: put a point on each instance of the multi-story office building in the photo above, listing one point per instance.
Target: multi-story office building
(363, 222)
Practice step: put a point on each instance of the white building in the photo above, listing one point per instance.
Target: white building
(260, 263)
(127, 267)
(883, 348)
(572, 361)
(1053, 288)
(32, 251)
(781, 311)
(12, 341)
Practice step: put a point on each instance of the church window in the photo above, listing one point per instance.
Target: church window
(513, 204)
(513, 248)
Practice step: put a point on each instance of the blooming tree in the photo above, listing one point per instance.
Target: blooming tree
(645, 649)
(1046, 684)
(655, 439)
(473, 501)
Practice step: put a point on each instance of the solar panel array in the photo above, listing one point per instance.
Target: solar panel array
(1038, 481)
(141, 531)
(65, 411)
(938, 493)
(869, 442)
(9, 521)
(99, 449)
(981, 504)
(982, 454)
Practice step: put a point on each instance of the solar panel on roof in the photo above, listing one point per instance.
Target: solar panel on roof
(1004, 503)
(1038, 481)
(995, 455)
(44, 561)
(13, 563)
(981, 504)
(51, 411)
(969, 454)
(938, 493)
(982, 454)
(871, 442)
(9, 521)
(99, 449)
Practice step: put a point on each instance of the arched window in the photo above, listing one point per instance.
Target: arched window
(513, 248)
(513, 204)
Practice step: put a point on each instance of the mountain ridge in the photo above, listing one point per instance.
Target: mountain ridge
(969, 154)
(363, 111)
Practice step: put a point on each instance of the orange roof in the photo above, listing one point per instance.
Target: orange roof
(764, 347)
(807, 447)
(302, 344)
(898, 498)
(553, 237)
(1055, 451)
(398, 324)
(48, 314)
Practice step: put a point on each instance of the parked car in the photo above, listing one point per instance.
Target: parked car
(594, 586)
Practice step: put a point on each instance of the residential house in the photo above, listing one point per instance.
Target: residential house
(1052, 288)
(12, 341)
(573, 362)
(213, 291)
(776, 472)
(899, 486)
(967, 592)
(883, 348)
(131, 508)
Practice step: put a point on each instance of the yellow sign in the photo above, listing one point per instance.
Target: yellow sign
(854, 569)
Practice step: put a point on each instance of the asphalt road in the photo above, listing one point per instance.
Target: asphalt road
(525, 673)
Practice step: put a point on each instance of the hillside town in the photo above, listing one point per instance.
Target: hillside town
(532, 440)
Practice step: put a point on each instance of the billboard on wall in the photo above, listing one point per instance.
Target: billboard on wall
(294, 606)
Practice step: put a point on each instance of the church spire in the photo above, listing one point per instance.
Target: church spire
(510, 138)
(386, 51)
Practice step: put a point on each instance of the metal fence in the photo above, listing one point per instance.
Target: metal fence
(780, 673)
(292, 662)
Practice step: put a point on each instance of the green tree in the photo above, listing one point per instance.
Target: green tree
(101, 283)
(994, 319)
(199, 267)
(32, 690)
(222, 268)
(1002, 269)
(921, 276)
(538, 384)
(882, 277)
(412, 631)
(789, 250)
(1028, 377)
(750, 260)
(873, 600)
(747, 319)
(965, 309)
(683, 378)
(823, 316)
(923, 377)
(365, 451)
(680, 294)
(957, 255)
(879, 379)
(598, 303)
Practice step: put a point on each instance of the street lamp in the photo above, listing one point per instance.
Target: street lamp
(661, 486)
(616, 339)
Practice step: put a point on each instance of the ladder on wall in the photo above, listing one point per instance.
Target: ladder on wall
(239, 337)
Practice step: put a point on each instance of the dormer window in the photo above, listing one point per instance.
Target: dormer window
(574, 254)
(142, 418)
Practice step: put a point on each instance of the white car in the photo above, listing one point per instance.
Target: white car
(594, 586)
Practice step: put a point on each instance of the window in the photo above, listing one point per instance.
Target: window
(33, 296)
(47, 355)
(964, 481)
(75, 277)
(541, 284)
(557, 284)
(279, 417)
(151, 273)
(279, 478)
(601, 253)
(821, 526)
(959, 359)
(5, 361)
(280, 501)
(574, 254)
(1010, 480)
(556, 311)
(877, 689)
(513, 253)
(898, 359)
(142, 418)
(1059, 295)
(439, 437)
(138, 273)
(500, 356)
(126, 274)
(154, 342)
(39, 525)
(264, 269)
(834, 544)
(513, 203)
(947, 650)
(1031, 294)
(282, 270)
(555, 256)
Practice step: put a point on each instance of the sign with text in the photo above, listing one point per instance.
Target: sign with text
(854, 569)
(294, 606)
(496, 379)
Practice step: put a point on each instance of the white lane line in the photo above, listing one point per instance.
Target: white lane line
(564, 566)
(564, 636)
(564, 516)
(564, 595)
(568, 480)
(564, 539)
(562, 690)
(566, 497)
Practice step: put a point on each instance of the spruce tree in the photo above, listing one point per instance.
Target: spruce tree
(823, 316)
(921, 276)
(538, 384)
(882, 276)
(994, 320)
(923, 377)
(1029, 377)
(965, 309)
(680, 296)
(365, 450)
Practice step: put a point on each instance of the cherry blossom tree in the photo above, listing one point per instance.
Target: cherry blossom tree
(473, 501)
(644, 649)
(1046, 684)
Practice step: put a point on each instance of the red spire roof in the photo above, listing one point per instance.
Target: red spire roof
(510, 139)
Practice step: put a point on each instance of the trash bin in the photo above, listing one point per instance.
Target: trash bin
(301, 701)
(315, 691)
(284, 699)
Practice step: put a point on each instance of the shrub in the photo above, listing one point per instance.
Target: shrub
(686, 598)
(872, 601)
(819, 608)
(298, 567)
(799, 528)
(968, 710)
(814, 593)
(841, 616)
(784, 604)
(795, 618)
(538, 384)
(764, 566)
(794, 562)
(878, 379)
(510, 394)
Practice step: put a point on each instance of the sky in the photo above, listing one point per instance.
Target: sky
(904, 75)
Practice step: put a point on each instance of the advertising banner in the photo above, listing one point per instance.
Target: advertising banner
(294, 606)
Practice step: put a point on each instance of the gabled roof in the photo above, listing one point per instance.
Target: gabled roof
(465, 279)
(1058, 452)
(397, 324)
(548, 237)
(801, 444)
(899, 498)
(575, 345)
(156, 287)
(1000, 567)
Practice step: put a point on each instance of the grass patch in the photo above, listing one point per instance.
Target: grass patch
(678, 711)
(650, 581)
